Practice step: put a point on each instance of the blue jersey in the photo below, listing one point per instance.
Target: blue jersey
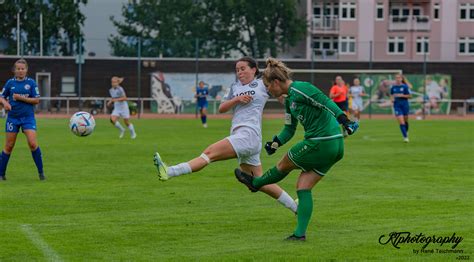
(402, 89)
(202, 94)
(26, 88)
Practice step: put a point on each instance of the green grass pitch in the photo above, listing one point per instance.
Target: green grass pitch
(103, 201)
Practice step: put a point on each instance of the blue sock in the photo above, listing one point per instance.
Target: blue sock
(404, 130)
(38, 160)
(406, 125)
(3, 163)
(203, 119)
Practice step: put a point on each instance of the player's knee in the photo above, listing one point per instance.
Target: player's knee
(285, 166)
(112, 121)
(32, 146)
(9, 147)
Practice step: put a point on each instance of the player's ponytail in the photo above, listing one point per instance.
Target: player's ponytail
(252, 63)
(276, 69)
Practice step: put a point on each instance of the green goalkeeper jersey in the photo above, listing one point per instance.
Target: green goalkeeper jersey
(316, 112)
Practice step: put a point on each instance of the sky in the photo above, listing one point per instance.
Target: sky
(98, 27)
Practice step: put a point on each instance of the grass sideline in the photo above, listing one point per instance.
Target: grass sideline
(102, 200)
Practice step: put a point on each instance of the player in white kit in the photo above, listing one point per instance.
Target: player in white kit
(247, 97)
(119, 99)
(357, 92)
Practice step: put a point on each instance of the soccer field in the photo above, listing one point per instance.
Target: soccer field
(103, 201)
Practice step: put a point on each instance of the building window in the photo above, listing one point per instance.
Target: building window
(325, 46)
(379, 10)
(416, 11)
(396, 45)
(466, 12)
(348, 11)
(466, 46)
(327, 42)
(399, 11)
(436, 10)
(68, 85)
(347, 45)
(422, 45)
(317, 11)
(327, 9)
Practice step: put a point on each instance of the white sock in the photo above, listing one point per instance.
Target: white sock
(119, 126)
(288, 202)
(179, 169)
(132, 130)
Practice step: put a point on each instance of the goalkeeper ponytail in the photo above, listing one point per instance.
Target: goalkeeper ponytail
(276, 69)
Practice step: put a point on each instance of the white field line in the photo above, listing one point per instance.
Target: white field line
(39, 242)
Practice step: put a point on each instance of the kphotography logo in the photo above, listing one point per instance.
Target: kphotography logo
(397, 239)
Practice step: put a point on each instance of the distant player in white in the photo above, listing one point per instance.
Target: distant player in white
(246, 97)
(119, 99)
(357, 92)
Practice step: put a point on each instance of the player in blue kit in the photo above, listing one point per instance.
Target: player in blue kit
(400, 92)
(19, 95)
(202, 91)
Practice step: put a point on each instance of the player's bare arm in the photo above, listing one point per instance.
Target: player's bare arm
(228, 105)
(29, 100)
(123, 98)
(5, 104)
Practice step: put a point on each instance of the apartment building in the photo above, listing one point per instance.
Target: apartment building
(387, 30)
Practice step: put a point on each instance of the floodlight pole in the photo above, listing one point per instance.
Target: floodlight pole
(79, 77)
(370, 67)
(197, 61)
(41, 33)
(197, 72)
(18, 33)
(370, 55)
(139, 72)
(312, 53)
(424, 83)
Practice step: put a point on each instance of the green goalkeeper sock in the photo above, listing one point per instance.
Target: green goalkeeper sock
(272, 176)
(305, 209)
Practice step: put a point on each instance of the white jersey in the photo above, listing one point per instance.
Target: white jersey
(433, 90)
(356, 91)
(248, 115)
(116, 93)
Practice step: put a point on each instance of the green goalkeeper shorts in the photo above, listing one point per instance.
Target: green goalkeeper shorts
(317, 155)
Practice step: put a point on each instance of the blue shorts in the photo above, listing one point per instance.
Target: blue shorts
(13, 124)
(202, 104)
(401, 109)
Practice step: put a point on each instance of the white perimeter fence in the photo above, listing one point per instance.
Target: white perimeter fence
(97, 105)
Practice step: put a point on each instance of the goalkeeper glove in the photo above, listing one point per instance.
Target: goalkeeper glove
(272, 146)
(350, 126)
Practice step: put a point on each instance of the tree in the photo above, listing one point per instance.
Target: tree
(170, 28)
(166, 27)
(262, 27)
(62, 21)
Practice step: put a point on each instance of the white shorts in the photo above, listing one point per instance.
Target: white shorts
(122, 112)
(357, 104)
(247, 144)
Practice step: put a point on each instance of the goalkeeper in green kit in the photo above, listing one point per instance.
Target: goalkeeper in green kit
(323, 143)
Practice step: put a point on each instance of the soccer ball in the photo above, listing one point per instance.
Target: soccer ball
(82, 124)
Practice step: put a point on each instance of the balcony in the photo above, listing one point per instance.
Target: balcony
(327, 24)
(409, 23)
(325, 54)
